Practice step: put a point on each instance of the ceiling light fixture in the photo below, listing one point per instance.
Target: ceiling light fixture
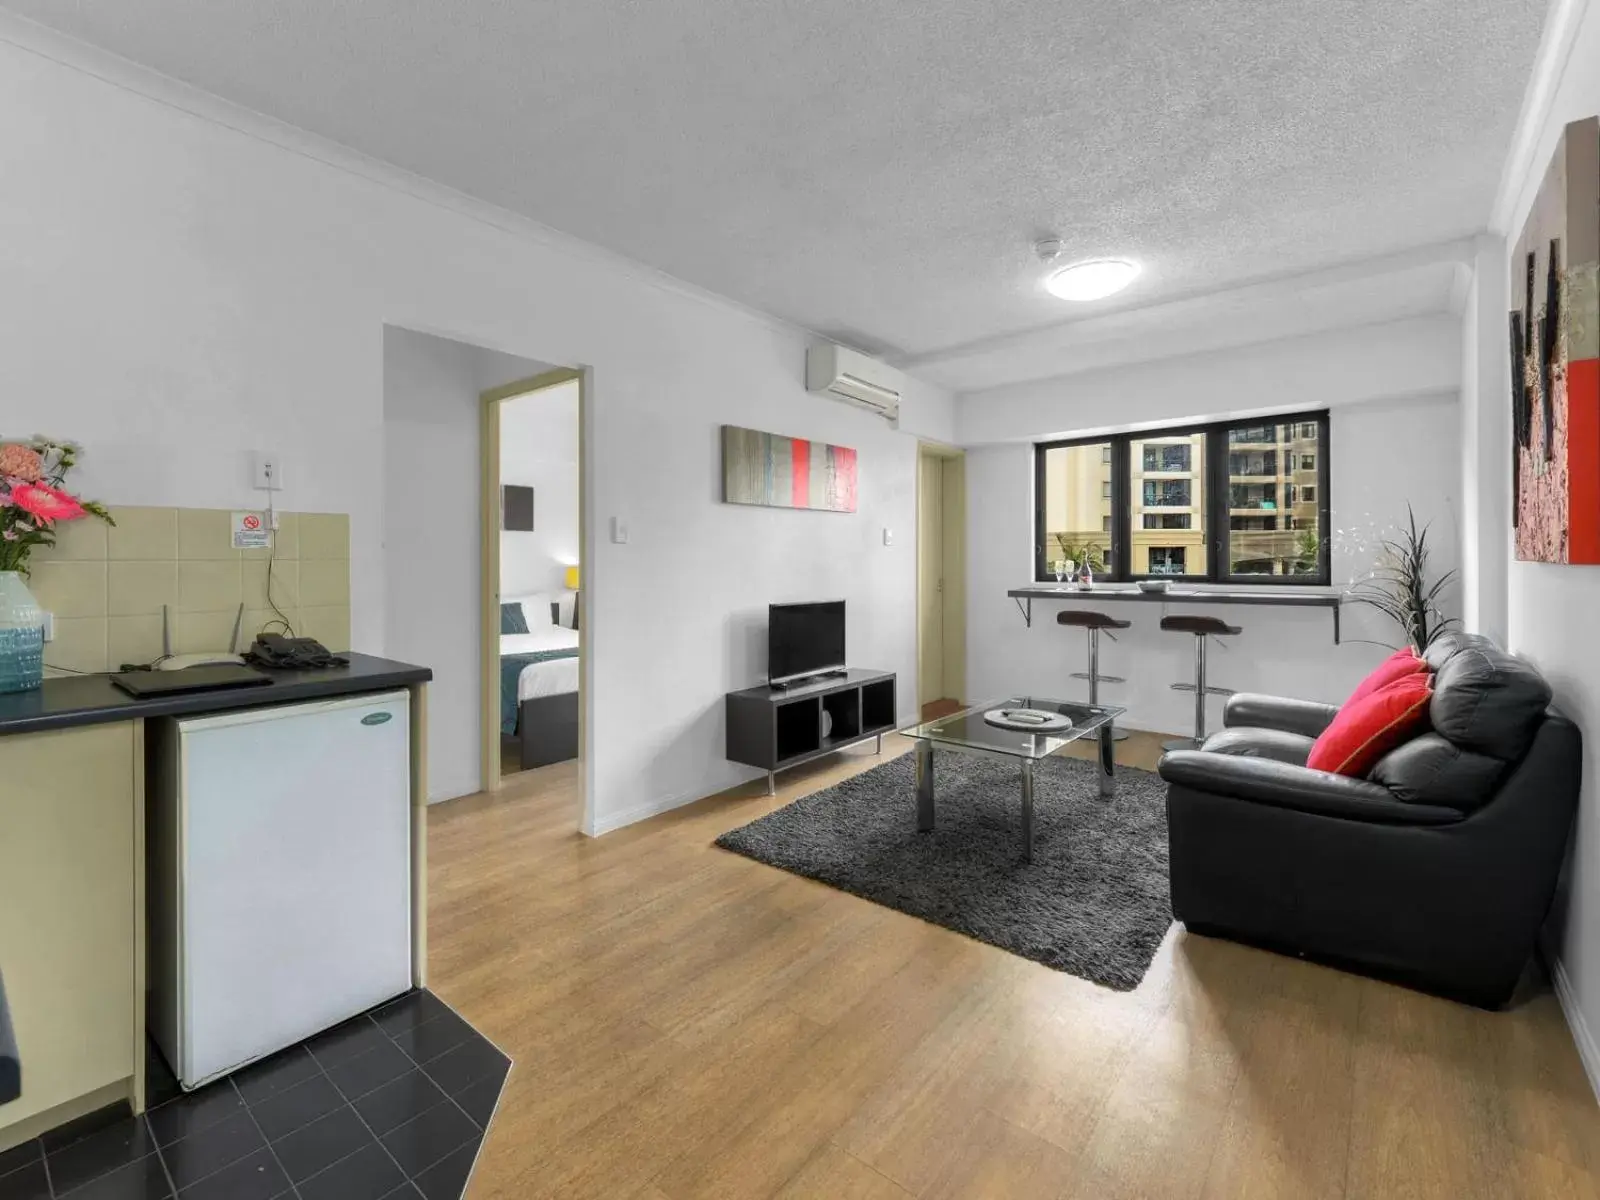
(1092, 279)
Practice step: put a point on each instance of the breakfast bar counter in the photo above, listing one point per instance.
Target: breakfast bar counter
(1280, 596)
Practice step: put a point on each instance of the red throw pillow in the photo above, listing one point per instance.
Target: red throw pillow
(1367, 729)
(1397, 666)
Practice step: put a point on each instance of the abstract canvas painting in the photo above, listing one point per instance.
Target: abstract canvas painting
(1555, 360)
(785, 472)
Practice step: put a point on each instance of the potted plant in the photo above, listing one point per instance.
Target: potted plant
(33, 501)
(1082, 559)
(1079, 554)
(1398, 585)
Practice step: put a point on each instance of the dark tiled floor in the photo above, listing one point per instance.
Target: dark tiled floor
(389, 1106)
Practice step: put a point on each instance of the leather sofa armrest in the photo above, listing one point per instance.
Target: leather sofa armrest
(1284, 785)
(1278, 712)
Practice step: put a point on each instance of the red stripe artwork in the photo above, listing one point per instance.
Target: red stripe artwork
(800, 484)
(784, 472)
(844, 472)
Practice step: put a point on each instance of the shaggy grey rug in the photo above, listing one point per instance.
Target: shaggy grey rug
(1093, 902)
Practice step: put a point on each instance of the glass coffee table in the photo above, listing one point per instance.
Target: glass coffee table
(968, 732)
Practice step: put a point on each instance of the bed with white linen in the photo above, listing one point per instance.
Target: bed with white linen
(539, 683)
(552, 677)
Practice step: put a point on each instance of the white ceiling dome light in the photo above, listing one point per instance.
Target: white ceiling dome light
(1091, 279)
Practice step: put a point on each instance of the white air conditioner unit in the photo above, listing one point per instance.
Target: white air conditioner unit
(855, 378)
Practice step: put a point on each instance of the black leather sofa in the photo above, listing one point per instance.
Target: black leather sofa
(1436, 871)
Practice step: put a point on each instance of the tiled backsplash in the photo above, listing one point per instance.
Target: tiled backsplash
(106, 585)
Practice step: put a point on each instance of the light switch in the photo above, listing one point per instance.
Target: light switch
(619, 531)
(888, 536)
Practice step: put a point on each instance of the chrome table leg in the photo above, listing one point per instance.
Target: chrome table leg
(1108, 761)
(925, 786)
(1027, 810)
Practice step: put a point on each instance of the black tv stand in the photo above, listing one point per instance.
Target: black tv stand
(775, 727)
(788, 685)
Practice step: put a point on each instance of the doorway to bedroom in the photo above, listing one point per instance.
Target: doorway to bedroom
(533, 581)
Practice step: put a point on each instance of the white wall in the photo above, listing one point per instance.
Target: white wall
(539, 449)
(1384, 452)
(1551, 609)
(430, 433)
(184, 282)
(1485, 435)
(1416, 357)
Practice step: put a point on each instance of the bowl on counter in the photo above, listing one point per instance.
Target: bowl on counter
(1154, 585)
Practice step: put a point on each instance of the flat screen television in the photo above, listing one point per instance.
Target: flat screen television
(804, 640)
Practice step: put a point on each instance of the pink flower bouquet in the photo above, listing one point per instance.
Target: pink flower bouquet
(32, 499)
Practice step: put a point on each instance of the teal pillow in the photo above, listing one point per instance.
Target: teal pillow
(512, 620)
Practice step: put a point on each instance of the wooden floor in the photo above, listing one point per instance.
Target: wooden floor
(685, 1023)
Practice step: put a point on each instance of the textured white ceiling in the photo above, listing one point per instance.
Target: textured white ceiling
(1295, 307)
(877, 170)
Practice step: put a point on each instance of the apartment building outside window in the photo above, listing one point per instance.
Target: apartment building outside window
(1240, 501)
(1076, 521)
(1168, 456)
(1167, 498)
(1274, 521)
(1167, 560)
(1168, 493)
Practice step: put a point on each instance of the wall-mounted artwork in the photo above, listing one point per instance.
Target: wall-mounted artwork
(1555, 360)
(516, 508)
(785, 472)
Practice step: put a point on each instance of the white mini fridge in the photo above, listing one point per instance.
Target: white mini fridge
(280, 881)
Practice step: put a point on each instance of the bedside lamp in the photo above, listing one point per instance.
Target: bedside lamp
(572, 586)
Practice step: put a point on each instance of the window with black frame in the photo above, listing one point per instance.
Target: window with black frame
(1231, 502)
(1275, 527)
(1076, 520)
(1167, 504)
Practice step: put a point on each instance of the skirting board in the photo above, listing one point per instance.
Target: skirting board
(630, 816)
(614, 821)
(1582, 1036)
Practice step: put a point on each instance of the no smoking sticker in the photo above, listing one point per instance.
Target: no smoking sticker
(250, 531)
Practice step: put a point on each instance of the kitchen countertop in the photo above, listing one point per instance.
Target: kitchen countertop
(94, 700)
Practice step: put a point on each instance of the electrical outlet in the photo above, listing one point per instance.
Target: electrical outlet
(49, 627)
(266, 472)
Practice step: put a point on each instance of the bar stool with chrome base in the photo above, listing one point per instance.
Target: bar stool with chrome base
(1202, 628)
(1093, 623)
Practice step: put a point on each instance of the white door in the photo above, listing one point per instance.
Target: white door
(296, 881)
